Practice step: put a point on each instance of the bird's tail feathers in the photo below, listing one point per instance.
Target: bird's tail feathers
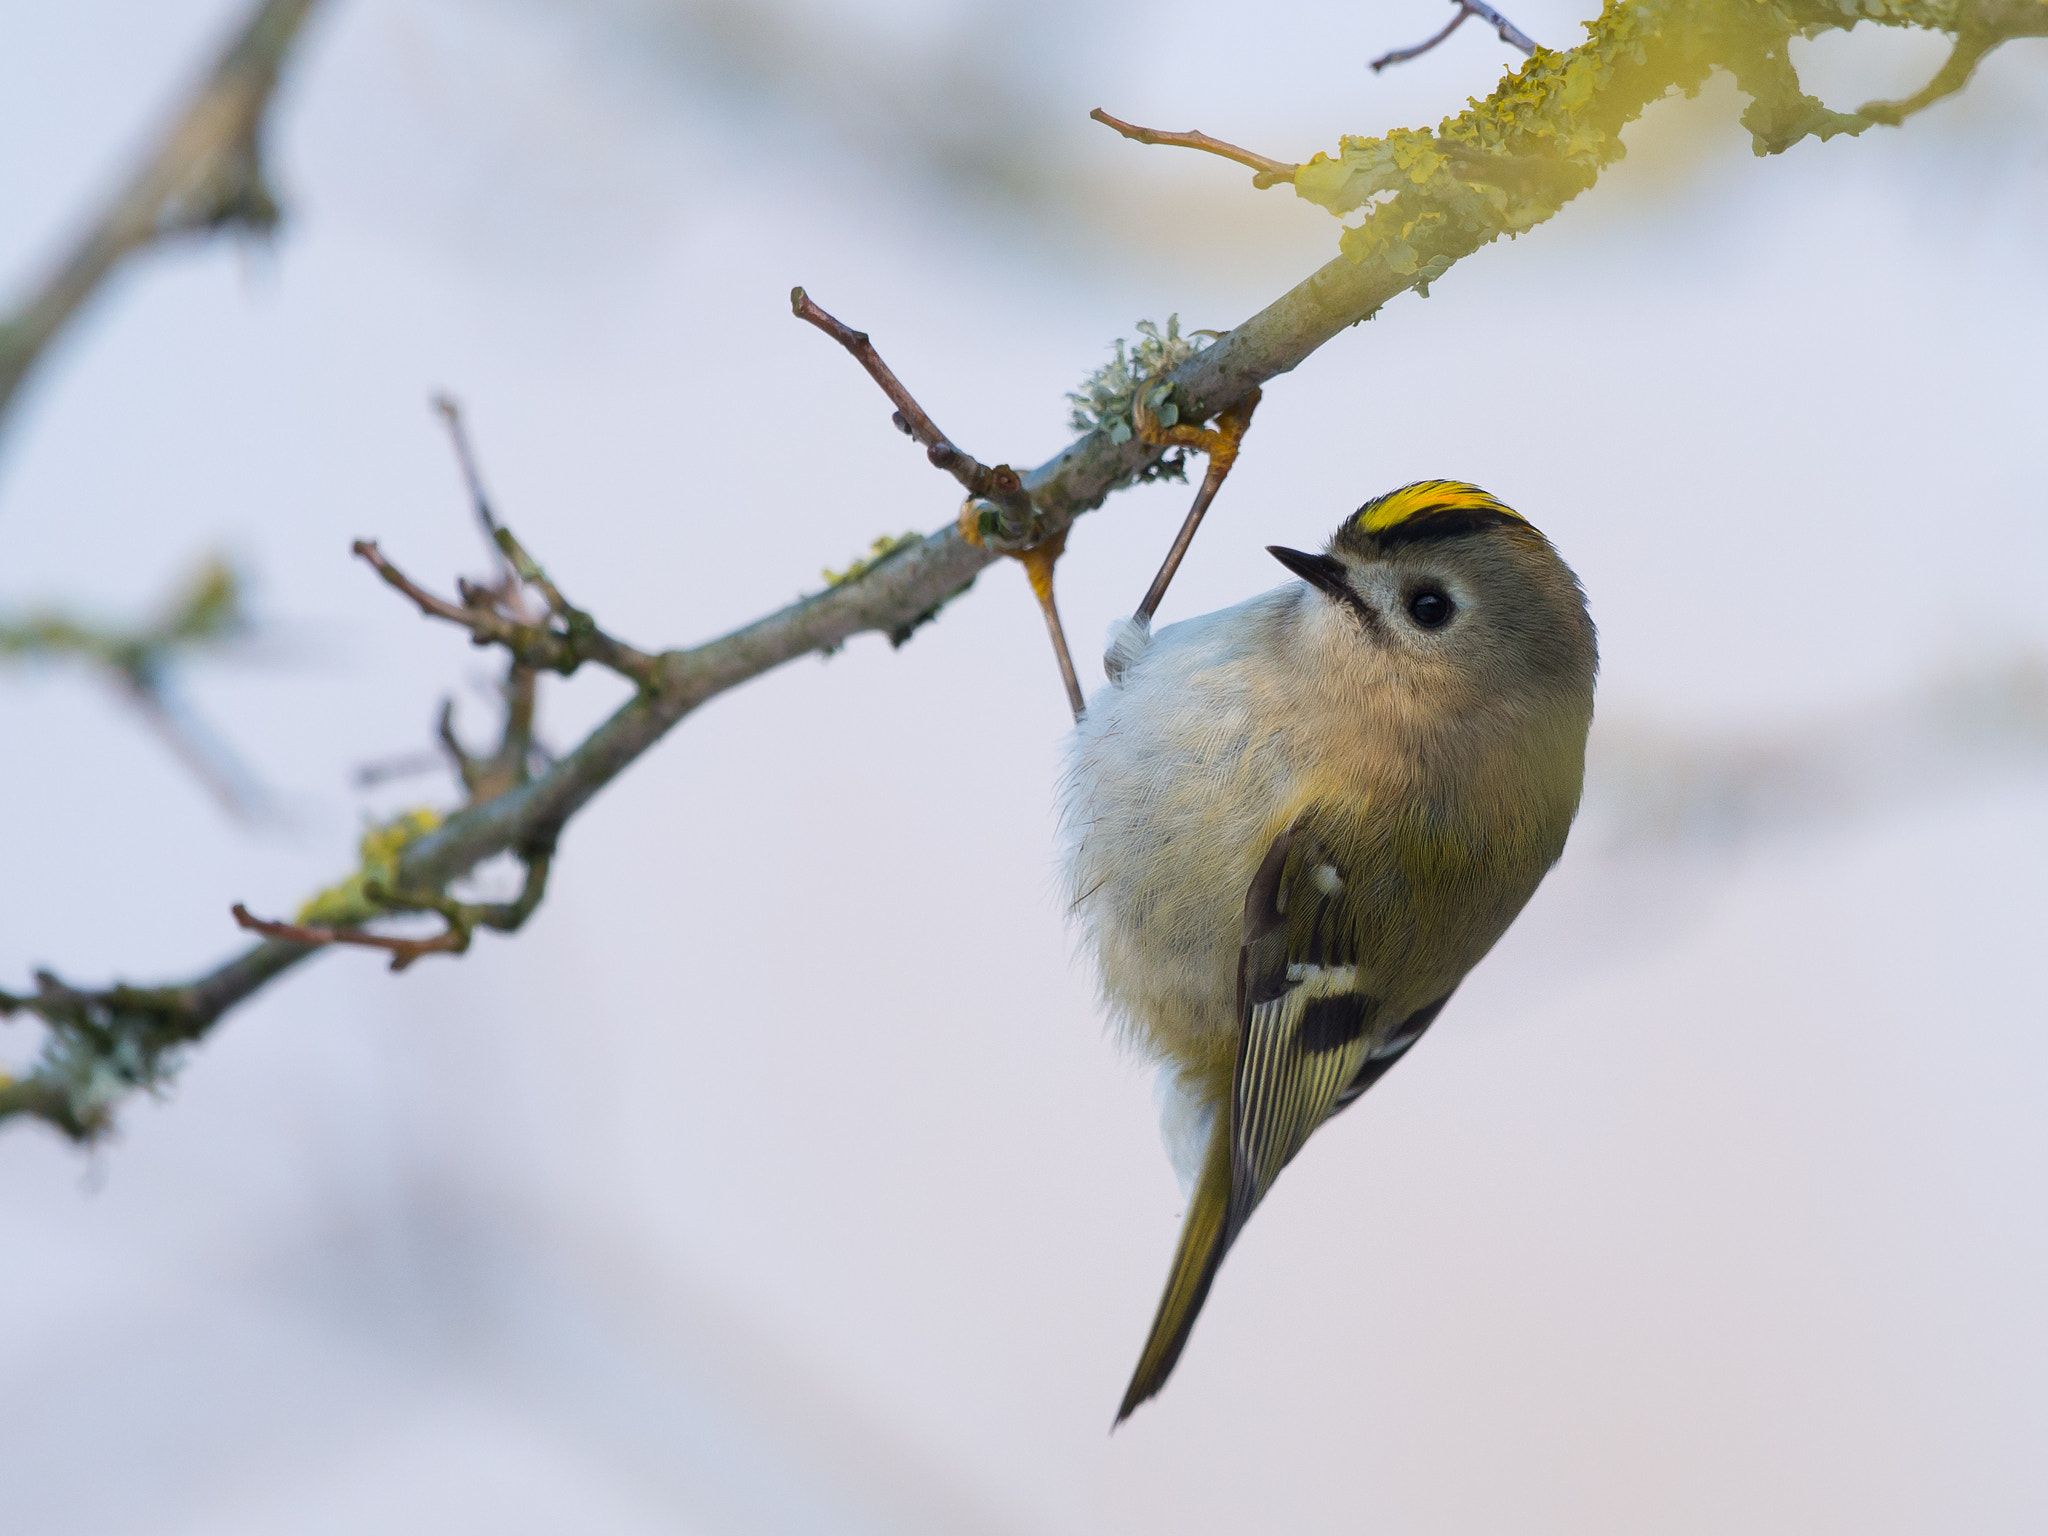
(1205, 1234)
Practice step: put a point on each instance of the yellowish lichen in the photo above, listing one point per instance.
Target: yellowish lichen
(348, 904)
(1509, 162)
(878, 551)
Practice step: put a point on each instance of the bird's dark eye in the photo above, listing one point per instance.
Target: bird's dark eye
(1430, 608)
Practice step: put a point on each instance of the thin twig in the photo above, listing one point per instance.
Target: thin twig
(1508, 32)
(998, 483)
(432, 606)
(483, 778)
(402, 951)
(535, 645)
(450, 412)
(462, 919)
(1270, 171)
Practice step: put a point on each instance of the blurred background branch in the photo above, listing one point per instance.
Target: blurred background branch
(204, 615)
(205, 174)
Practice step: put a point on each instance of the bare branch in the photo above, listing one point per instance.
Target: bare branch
(402, 951)
(1270, 171)
(1509, 33)
(205, 174)
(105, 1044)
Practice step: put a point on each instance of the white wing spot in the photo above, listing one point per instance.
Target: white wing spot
(1325, 980)
(1327, 880)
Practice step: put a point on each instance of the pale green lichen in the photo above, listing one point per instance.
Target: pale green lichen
(348, 904)
(1106, 398)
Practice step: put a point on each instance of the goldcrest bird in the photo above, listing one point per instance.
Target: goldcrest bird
(1293, 826)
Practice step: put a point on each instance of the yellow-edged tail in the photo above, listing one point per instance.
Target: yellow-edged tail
(1204, 1235)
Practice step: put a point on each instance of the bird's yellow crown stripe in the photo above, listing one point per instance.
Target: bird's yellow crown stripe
(1426, 498)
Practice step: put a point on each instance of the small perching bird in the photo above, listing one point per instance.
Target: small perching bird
(1295, 825)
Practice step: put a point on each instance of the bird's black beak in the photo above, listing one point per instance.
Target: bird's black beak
(1324, 571)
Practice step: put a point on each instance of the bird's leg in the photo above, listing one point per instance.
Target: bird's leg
(1220, 444)
(1038, 561)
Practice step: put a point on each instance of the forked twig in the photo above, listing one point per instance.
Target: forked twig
(1509, 33)
(998, 513)
(998, 483)
(542, 646)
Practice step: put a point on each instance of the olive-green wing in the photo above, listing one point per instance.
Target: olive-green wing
(1305, 1022)
(1305, 1033)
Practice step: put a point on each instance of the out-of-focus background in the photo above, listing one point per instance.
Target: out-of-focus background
(779, 1177)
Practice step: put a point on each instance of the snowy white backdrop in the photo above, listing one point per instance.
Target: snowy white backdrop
(778, 1177)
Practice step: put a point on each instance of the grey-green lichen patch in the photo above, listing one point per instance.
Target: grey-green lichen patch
(1106, 399)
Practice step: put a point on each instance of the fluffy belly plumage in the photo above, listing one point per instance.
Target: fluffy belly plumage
(1167, 812)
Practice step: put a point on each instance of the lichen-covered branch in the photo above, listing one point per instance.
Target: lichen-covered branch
(101, 1046)
(1428, 199)
(204, 174)
(461, 918)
